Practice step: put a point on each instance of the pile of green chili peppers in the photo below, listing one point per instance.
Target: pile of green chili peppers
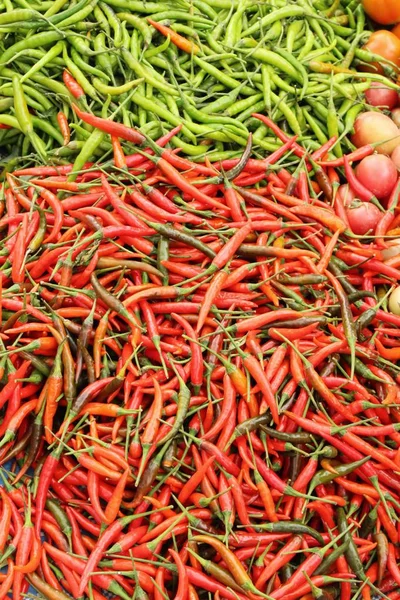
(270, 56)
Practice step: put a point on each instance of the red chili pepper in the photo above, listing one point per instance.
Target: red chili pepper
(5, 519)
(173, 175)
(183, 581)
(213, 290)
(119, 156)
(179, 41)
(181, 406)
(73, 86)
(114, 129)
(355, 156)
(7, 584)
(287, 553)
(297, 149)
(358, 188)
(64, 127)
(22, 554)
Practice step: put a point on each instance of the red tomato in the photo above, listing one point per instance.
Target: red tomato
(363, 217)
(378, 174)
(382, 96)
(384, 12)
(346, 194)
(385, 44)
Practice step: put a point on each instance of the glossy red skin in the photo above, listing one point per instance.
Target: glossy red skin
(385, 12)
(363, 217)
(381, 96)
(383, 43)
(378, 174)
(346, 194)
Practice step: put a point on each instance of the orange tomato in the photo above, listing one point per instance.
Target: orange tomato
(385, 44)
(385, 12)
(396, 30)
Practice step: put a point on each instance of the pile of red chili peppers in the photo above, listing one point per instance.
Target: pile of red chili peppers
(199, 376)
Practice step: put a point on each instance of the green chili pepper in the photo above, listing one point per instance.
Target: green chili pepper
(243, 105)
(163, 113)
(86, 153)
(294, 31)
(114, 21)
(18, 14)
(81, 45)
(198, 115)
(361, 369)
(38, 363)
(35, 41)
(109, 90)
(9, 91)
(163, 254)
(104, 58)
(60, 516)
(289, 293)
(38, 238)
(6, 103)
(330, 560)
(85, 66)
(24, 118)
(315, 126)
(291, 527)
(142, 71)
(78, 16)
(369, 523)
(336, 266)
(48, 57)
(276, 15)
(219, 75)
(180, 236)
(183, 406)
(139, 24)
(101, 20)
(79, 76)
(55, 8)
(68, 12)
(351, 553)
(177, 15)
(156, 50)
(150, 474)
(324, 477)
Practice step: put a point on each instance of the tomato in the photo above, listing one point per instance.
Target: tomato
(385, 44)
(382, 96)
(363, 217)
(384, 12)
(346, 194)
(394, 301)
(396, 116)
(373, 128)
(378, 174)
(396, 157)
(396, 30)
(392, 250)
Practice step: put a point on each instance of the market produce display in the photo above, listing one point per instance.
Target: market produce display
(200, 300)
(205, 65)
